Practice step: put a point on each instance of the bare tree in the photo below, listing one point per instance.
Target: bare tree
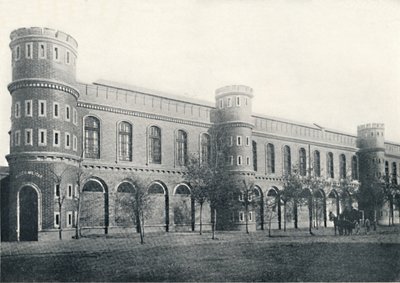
(60, 195)
(142, 204)
(197, 173)
(80, 176)
(247, 199)
(270, 212)
(290, 194)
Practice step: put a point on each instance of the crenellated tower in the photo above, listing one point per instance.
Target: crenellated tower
(44, 128)
(371, 155)
(234, 126)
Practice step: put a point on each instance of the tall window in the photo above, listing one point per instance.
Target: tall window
(28, 108)
(254, 155)
(270, 158)
(181, 148)
(317, 163)
(42, 108)
(387, 170)
(342, 168)
(92, 137)
(354, 168)
(205, 148)
(329, 165)
(287, 160)
(17, 109)
(28, 50)
(125, 141)
(303, 162)
(155, 145)
(42, 50)
(394, 173)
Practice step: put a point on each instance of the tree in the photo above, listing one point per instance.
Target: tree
(270, 212)
(197, 173)
(291, 193)
(80, 176)
(142, 207)
(247, 199)
(60, 196)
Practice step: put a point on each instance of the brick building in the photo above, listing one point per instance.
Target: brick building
(116, 132)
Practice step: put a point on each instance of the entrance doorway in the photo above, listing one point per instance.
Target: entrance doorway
(28, 214)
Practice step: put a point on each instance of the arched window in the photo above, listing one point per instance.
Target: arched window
(155, 145)
(254, 144)
(92, 137)
(181, 148)
(354, 168)
(329, 165)
(125, 141)
(302, 162)
(287, 160)
(270, 158)
(342, 168)
(317, 163)
(387, 170)
(205, 148)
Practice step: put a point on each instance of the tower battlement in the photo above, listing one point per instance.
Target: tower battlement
(44, 32)
(369, 126)
(232, 89)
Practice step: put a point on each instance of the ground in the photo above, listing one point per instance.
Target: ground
(287, 256)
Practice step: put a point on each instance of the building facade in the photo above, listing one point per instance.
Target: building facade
(66, 135)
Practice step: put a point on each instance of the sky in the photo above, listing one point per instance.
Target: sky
(335, 63)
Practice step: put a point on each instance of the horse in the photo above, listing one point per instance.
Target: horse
(341, 224)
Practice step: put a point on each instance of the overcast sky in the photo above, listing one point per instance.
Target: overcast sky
(334, 63)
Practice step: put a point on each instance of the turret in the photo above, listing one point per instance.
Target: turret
(233, 117)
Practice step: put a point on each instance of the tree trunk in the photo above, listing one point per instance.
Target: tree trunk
(310, 214)
(278, 201)
(295, 213)
(269, 226)
(78, 216)
(247, 219)
(284, 216)
(201, 218)
(214, 224)
(60, 224)
(142, 229)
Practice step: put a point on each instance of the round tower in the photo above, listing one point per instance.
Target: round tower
(371, 155)
(44, 147)
(233, 104)
(234, 126)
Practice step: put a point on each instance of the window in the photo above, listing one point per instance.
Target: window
(67, 140)
(17, 52)
(74, 116)
(239, 160)
(69, 219)
(354, 168)
(28, 108)
(67, 113)
(231, 160)
(270, 158)
(76, 191)
(254, 144)
(250, 216)
(239, 140)
(205, 148)
(181, 148)
(57, 191)
(56, 138)
(394, 173)
(155, 145)
(125, 141)
(28, 136)
(229, 102)
(329, 165)
(221, 103)
(237, 100)
(74, 143)
(240, 196)
(42, 108)
(92, 137)
(241, 216)
(17, 139)
(302, 162)
(67, 57)
(287, 160)
(69, 191)
(42, 50)
(56, 53)
(42, 137)
(317, 164)
(248, 161)
(75, 217)
(230, 141)
(56, 219)
(387, 170)
(56, 110)
(342, 166)
(28, 50)
(247, 141)
(17, 111)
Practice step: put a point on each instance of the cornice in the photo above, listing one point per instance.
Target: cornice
(42, 83)
(39, 156)
(235, 124)
(304, 141)
(142, 114)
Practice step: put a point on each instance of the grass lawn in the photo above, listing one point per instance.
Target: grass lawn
(235, 256)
